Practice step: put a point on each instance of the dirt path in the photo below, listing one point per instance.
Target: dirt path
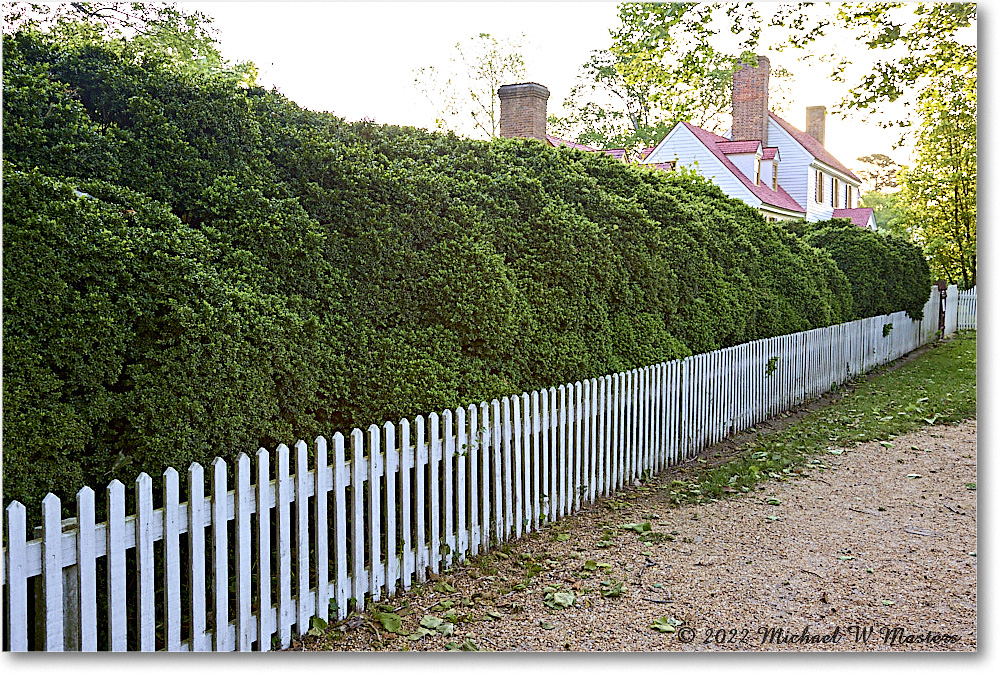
(883, 540)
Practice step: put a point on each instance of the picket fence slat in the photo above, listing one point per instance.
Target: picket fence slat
(391, 573)
(144, 563)
(87, 570)
(220, 562)
(265, 626)
(358, 576)
(284, 548)
(473, 477)
(244, 555)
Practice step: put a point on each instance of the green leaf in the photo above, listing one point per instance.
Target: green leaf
(431, 622)
(317, 626)
(390, 621)
(612, 589)
(665, 624)
(420, 633)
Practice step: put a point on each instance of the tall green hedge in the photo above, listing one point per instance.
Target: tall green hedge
(886, 273)
(193, 268)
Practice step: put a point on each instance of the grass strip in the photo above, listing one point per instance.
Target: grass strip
(938, 387)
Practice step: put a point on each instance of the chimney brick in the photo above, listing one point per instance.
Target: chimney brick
(816, 122)
(750, 101)
(523, 110)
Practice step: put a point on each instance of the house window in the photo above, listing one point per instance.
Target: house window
(756, 171)
(774, 176)
(850, 197)
(834, 191)
(819, 187)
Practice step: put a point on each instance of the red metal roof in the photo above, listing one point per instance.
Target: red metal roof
(556, 142)
(738, 147)
(769, 153)
(645, 151)
(813, 147)
(857, 216)
(779, 198)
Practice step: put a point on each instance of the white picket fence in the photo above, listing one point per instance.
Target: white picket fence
(966, 309)
(230, 570)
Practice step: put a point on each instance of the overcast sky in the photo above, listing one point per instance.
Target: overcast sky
(357, 59)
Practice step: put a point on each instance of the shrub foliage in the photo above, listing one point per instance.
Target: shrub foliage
(194, 267)
(887, 273)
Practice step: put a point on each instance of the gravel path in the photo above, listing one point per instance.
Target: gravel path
(882, 541)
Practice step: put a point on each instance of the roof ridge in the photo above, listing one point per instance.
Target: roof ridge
(812, 146)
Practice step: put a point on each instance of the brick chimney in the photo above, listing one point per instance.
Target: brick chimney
(816, 122)
(522, 110)
(750, 101)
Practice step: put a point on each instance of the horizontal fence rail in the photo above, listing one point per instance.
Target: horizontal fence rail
(304, 533)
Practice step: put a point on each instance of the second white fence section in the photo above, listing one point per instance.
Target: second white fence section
(237, 566)
(967, 309)
(950, 310)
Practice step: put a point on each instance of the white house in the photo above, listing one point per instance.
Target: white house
(769, 164)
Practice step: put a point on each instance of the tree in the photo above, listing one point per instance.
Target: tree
(183, 41)
(466, 93)
(891, 213)
(660, 69)
(940, 189)
(921, 44)
(883, 175)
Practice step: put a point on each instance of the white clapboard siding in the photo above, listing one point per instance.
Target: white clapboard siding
(401, 505)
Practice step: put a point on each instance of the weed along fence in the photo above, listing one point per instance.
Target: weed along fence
(274, 543)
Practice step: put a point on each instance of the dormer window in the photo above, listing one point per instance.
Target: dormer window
(756, 171)
(774, 176)
(819, 187)
(834, 192)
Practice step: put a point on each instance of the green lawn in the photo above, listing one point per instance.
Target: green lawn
(938, 387)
